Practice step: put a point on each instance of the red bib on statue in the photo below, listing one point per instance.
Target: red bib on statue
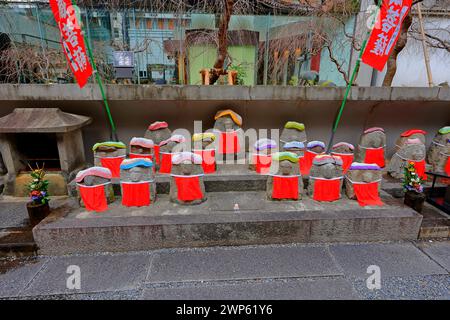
(347, 160)
(229, 143)
(166, 163)
(156, 152)
(375, 156)
(262, 163)
(208, 160)
(447, 167)
(94, 198)
(285, 187)
(112, 164)
(327, 190)
(420, 168)
(136, 194)
(188, 188)
(367, 194)
(306, 162)
(136, 156)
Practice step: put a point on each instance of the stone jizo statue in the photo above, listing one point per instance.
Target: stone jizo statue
(137, 182)
(228, 126)
(413, 151)
(293, 131)
(439, 151)
(410, 134)
(204, 146)
(372, 147)
(261, 158)
(141, 148)
(284, 181)
(157, 132)
(363, 183)
(94, 188)
(186, 184)
(167, 148)
(345, 151)
(110, 154)
(325, 179)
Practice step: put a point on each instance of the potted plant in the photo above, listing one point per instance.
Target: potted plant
(38, 207)
(412, 184)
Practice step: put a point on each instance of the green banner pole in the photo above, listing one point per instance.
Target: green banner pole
(352, 79)
(114, 136)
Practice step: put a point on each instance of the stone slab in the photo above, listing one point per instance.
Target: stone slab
(215, 223)
(402, 259)
(98, 274)
(334, 288)
(17, 274)
(439, 251)
(13, 215)
(242, 263)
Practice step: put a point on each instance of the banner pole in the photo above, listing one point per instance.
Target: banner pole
(113, 136)
(425, 47)
(350, 82)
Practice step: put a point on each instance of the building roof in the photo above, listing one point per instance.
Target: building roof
(41, 120)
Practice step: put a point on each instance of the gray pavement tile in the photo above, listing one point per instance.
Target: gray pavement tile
(242, 263)
(394, 259)
(431, 287)
(98, 273)
(438, 251)
(287, 289)
(13, 215)
(16, 274)
(109, 295)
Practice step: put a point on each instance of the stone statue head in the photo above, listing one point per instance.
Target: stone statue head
(205, 140)
(293, 131)
(439, 150)
(141, 146)
(265, 146)
(109, 149)
(413, 149)
(136, 170)
(363, 172)
(343, 147)
(158, 131)
(296, 147)
(316, 146)
(410, 134)
(175, 143)
(93, 176)
(285, 164)
(227, 120)
(186, 164)
(373, 138)
(327, 167)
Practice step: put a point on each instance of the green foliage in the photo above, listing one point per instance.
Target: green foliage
(38, 187)
(293, 81)
(241, 73)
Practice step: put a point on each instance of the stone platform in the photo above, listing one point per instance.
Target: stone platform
(71, 229)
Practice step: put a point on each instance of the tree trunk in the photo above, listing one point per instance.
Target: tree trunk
(222, 51)
(401, 43)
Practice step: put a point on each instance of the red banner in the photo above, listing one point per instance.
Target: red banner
(385, 33)
(72, 40)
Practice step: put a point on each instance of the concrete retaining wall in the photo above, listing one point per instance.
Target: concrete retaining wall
(134, 107)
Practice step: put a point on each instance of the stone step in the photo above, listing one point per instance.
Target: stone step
(17, 242)
(216, 223)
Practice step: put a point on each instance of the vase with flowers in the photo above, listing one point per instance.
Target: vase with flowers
(413, 187)
(38, 208)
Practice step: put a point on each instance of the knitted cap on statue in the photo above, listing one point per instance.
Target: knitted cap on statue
(413, 151)
(410, 134)
(372, 147)
(204, 146)
(227, 126)
(141, 148)
(137, 182)
(284, 181)
(157, 132)
(94, 188)
(261, 158)
(439, 151)
(325, 178)
(110, 154)
(345, 151)
(186, 183)
(363, 183)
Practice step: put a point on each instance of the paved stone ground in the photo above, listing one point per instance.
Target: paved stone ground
(334, 271)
